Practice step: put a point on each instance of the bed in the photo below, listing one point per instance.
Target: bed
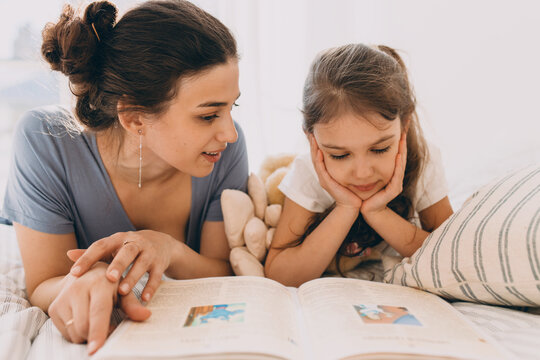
(28, 333)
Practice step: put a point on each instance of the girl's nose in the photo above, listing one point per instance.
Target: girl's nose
(363, 169)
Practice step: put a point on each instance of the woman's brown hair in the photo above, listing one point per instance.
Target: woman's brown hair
(358, 78)
(139, 59)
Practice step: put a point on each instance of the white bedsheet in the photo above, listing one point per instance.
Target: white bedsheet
(27, 333)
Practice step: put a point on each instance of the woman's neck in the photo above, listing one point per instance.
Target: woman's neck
(120, 154)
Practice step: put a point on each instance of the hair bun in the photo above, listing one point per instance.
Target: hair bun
(101, 15)
(71, 44)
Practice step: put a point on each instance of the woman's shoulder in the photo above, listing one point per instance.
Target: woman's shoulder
(53, 120)
(46, 133)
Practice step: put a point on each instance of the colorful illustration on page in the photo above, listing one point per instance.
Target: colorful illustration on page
(385, 314)
(215, 314)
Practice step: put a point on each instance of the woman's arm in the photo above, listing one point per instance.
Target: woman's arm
(45, 263)
(158, 253)
(213, 259)
(295, 265)
(79, 307)
(404, 236)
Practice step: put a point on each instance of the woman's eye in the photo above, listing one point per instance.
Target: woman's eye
(339, 157)
(381, 151)
(210, 117)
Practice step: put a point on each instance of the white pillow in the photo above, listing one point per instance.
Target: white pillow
(488, 251)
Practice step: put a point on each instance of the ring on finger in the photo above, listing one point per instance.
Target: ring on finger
(69, 323)
(126, 242)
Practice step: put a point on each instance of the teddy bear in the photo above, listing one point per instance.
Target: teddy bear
(250, 219)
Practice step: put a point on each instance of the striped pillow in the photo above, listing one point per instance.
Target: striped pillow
(488, 251)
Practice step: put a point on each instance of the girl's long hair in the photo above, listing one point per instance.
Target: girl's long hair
(358, 78)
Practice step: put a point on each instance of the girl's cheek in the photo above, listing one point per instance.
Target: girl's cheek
(337, 172)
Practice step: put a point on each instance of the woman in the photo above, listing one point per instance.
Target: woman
(138, 175)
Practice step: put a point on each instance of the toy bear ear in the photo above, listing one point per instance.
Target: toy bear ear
(273, 162)
(257, 192)
(237, 210)
(275, 196)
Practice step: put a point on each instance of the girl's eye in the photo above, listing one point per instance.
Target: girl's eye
(235, 104)
(381, 151)
(339, 157)
(210, 117)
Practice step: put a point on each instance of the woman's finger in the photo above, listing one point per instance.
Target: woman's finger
(99, 250)
(154, 279)
(125, 256)
(74, 336)
(100, 309)
(132, 307)
(79, 328)
(62, 320)
(138, 269)
(75, 254)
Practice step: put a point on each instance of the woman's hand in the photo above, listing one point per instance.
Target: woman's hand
(82, 310)
(343, 196)
(149, 251)
(378, 201)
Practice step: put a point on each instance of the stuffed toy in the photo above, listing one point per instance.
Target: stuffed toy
(250, 219)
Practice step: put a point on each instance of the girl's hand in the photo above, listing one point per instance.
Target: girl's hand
(379, 200)
(148, 251)
(82, 310)
(343, 196)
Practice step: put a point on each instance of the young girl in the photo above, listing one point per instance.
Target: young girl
(137, 171)
(369, 173)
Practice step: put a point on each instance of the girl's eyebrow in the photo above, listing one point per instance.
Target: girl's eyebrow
(215, 103)
(381, 140)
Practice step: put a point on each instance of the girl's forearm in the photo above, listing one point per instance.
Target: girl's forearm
(403, 236)
(295, 265)
(188, 264)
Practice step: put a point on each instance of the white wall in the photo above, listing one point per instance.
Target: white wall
(475, 66)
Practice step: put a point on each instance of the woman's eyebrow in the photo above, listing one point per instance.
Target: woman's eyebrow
(215, 103)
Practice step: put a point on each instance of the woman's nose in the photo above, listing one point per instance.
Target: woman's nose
(227, 132)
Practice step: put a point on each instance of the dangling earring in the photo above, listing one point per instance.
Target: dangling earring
(140, 158)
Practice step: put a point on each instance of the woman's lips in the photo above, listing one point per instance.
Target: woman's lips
(212, 156)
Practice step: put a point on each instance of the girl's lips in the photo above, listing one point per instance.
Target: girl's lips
(367, 187)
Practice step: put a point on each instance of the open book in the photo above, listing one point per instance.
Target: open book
(328, 318)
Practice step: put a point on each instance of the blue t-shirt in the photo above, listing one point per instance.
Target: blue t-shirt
(58, 184)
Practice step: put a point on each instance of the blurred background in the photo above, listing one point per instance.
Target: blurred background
(474, 66)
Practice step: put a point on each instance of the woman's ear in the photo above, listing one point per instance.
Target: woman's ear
(131, 120)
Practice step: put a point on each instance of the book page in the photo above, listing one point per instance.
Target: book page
(346, 317)
(210, 316)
